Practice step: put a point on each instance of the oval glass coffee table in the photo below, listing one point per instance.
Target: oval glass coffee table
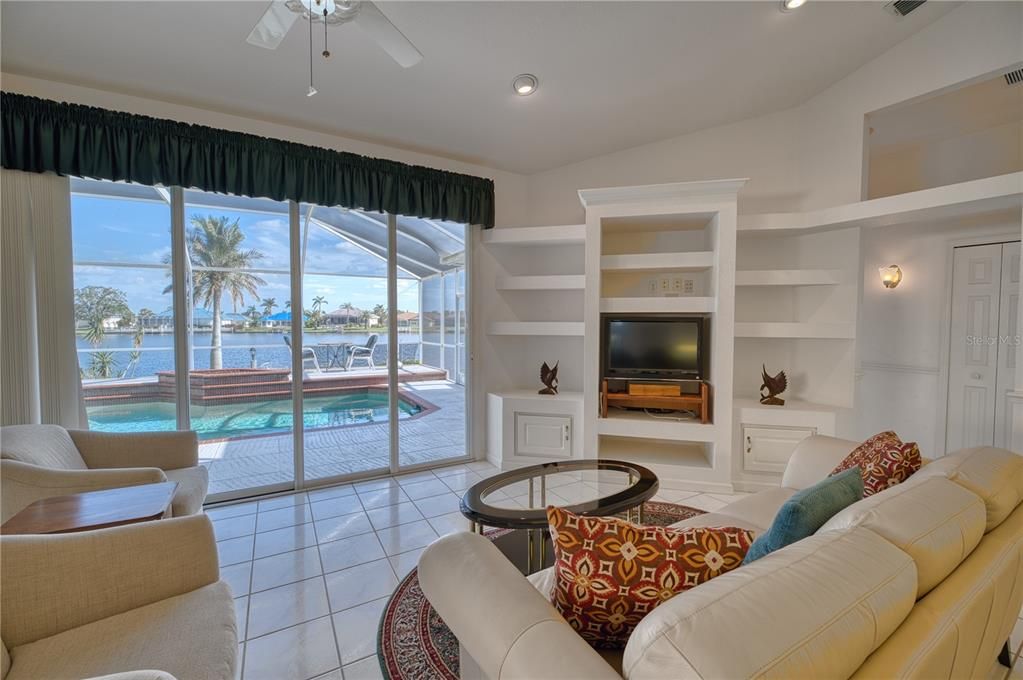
(517, 499)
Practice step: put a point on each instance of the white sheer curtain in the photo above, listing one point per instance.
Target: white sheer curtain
(39, 379)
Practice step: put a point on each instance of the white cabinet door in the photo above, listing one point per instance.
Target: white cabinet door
(1008, 340)
(973, 346)
(768, 449)
(546, 436)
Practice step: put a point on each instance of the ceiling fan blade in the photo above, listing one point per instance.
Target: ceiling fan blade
(272, 26)
(387, 35)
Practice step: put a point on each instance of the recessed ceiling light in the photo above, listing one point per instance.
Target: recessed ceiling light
(789, 5)
(525, 84)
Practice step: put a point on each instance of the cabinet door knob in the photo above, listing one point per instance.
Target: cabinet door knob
(749, 444)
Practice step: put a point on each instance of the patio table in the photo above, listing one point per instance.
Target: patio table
(337, 352)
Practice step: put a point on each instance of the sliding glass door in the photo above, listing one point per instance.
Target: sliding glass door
(431, 316)
(313, 344)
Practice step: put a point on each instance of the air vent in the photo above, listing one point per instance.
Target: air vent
(901, 8)
(1014, 77)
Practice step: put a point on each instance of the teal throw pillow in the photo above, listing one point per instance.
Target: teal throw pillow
(807, 511)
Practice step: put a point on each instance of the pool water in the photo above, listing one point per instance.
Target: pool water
(251, 419)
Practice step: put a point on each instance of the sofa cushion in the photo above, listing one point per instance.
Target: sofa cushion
(814, 610)
(610, 573)
(807, 511)
(936, 521)
(996, 475)
(47, 446)
(192, 485)
(162, 636)
(957, 629)
(884, 460)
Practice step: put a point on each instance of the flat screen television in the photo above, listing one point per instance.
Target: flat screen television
(653, 347)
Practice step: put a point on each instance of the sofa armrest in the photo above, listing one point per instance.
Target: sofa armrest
(23, 484)
(53, 583)
(503, 622)
(164, 450)
(814, 458)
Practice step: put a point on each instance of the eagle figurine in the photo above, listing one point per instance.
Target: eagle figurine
(774, 385)
(549, 377)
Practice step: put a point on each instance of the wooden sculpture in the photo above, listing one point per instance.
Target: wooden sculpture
(774, 385)
(549, 377)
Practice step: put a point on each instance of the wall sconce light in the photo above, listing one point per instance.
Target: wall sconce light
(891, 275)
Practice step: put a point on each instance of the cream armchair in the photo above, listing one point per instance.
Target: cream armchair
(39, 461)
(137, 602)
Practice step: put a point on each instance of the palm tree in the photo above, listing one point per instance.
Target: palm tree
(252, 314)
(215, 249)
(348, 307)
(268, 306)
(102, 364)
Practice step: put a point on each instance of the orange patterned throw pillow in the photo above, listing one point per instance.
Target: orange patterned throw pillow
(884, 461)
(610, 573)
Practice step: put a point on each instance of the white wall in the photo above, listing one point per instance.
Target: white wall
(810, 156)
(901, 331)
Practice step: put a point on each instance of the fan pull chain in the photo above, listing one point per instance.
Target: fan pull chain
(312, 90)
(326, 52)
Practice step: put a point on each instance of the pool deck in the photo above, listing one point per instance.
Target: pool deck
(262, 461)
(241, 385)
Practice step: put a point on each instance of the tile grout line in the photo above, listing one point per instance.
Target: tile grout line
(326, 593)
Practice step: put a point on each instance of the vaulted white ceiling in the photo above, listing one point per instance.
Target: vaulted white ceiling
(613, 74)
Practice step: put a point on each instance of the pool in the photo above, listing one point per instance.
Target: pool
(230, 421)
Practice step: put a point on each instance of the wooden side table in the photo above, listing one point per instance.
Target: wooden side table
(93, 510)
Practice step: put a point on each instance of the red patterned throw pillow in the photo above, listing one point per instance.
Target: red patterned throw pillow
(884, 461)
(610, 573)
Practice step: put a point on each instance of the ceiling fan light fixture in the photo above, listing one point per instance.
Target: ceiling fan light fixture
(791, 5)
(525, 84)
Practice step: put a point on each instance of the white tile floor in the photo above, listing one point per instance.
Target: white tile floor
(312, 571)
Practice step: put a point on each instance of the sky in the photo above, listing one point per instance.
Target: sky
(138, 232)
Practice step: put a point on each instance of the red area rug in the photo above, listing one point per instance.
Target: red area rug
(414, 643)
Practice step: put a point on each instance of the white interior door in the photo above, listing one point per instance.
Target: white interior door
(973, 347)
(1008, 338)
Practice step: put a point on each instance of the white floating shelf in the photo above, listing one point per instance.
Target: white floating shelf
(535, 236)
(687, 261)
(532, 394)
(540, 328)
(954, 200)
(779, 329)
(621, 423)
(553, 282)
(679, 305)
(789, 277)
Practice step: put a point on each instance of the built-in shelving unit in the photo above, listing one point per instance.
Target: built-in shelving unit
(662, 249)
(638, 424)
(667, 262)
(657, 305)
(989, 194)
(789, 277)
(795, 329)
(542, 282)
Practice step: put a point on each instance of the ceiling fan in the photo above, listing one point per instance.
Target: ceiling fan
(279, 17)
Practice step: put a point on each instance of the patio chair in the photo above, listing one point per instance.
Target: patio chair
(362, 352)
(308, 356)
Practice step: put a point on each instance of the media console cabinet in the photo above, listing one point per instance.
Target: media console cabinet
(660, 395)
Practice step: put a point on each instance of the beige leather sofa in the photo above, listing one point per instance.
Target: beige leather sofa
(137, 602)
(923, 580)
(39, 461)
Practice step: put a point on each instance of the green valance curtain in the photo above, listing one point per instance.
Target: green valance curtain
(40, 135)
